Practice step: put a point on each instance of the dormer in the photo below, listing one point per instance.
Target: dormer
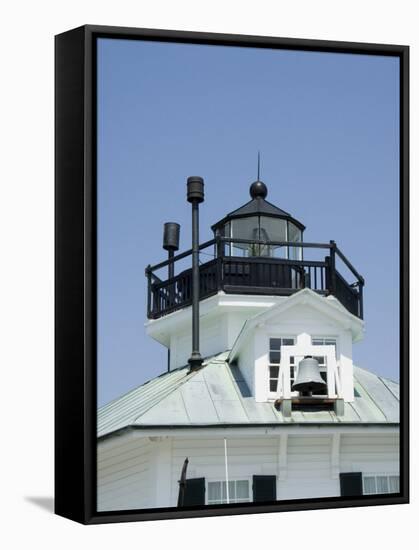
(272, 344)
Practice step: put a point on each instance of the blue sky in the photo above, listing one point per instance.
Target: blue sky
(327, 126)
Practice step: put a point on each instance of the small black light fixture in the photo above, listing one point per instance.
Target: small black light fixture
(195, 195)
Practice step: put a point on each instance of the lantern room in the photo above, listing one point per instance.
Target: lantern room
(259, 228)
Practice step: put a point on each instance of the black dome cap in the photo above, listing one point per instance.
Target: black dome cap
(258, 190)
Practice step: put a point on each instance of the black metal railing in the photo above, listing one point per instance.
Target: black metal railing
(255, 275)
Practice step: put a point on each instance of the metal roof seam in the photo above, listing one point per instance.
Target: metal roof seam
(147, 382)
(184, 405)
(355, 411)
(372, 399)
(209, 393)
(383, 380)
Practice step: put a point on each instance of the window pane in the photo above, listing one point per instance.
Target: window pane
(292, 360)
(242, 489)
(223, 491)
(214, 490)
(275, 357)
(294, 235)
(273, 372)
(288, 342)
(323, 341)
(232, 490)
(273, 385)
(275, 343)
(245, 228)
(321, 360)
(238, 491)
(369, 485)
(394, 484)
(382, 484)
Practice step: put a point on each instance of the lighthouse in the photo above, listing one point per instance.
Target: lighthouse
(260, 400)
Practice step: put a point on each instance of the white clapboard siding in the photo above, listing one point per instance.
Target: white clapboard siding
(377, 454)
(124, 475)
(143, 472)
(308, 473)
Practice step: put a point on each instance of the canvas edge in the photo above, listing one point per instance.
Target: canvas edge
(75, 271)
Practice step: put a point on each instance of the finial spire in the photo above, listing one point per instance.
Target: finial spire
(258, 179)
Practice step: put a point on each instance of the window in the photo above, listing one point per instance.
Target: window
(323, 341)
(380, 483)
(238, 490)
(275, 360)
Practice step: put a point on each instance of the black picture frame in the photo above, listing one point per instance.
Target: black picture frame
(76, 271)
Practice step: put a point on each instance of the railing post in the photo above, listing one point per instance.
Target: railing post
(148, 275)
(220, 256)
(332, 267)
(361, 298)
(328, 281)
(306, 279)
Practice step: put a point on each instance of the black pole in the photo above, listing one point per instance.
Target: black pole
(195, 195)
(170, 275)
(170, 243)
(171, 266)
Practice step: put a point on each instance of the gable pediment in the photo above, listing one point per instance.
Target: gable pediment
(305, 307)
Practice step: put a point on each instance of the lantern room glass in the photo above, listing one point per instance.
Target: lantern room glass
(261, 228)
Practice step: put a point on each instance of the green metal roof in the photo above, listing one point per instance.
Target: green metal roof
(218, 395)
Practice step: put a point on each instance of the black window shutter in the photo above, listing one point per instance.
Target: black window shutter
(351, 484)
(264, 488)
(194, 492)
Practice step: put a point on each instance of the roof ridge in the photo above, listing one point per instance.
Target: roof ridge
(123, 395)
(278, 208)
(189, 376)
(102, 408)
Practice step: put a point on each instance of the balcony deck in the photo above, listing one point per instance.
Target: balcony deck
(254, 275)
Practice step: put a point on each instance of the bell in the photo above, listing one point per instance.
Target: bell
(308, 377)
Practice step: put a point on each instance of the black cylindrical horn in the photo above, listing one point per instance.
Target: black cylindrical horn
(308, 376)
(195, 186)
(171, 236)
